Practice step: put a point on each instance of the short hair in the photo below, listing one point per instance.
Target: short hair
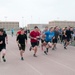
(46, 26)
(1, 30)
(20, 28)
(35, 27)
(50, 28)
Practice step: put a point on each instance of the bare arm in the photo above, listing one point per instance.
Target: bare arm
(1, 42)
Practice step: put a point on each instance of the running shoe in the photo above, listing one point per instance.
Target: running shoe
(3, 59)
(34, 55)
(65, 48)
(30, 48)
(22, 58)
(45, 52)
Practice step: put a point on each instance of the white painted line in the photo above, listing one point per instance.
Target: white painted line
(34, 69)
(39, 73)
(59, 64)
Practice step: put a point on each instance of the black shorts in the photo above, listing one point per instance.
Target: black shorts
(22, 47)
(63, 37)
(38, 43)
(33, 44)
(2, 47)
(74, 38)
(12, 33)
(68, 39)
(42, 40)
(54, 40)
(48, 42)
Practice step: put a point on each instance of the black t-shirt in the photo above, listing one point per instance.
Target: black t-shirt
(56, 34)
(2, 38)
(72, 32)
(21, 38)
(68, 33)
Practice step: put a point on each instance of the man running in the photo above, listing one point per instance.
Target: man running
(68, 37)
(55, 40)
(48, 39)
(12, 32)
(43, 37)
(34, 40)
(21, 39)
(3, 40)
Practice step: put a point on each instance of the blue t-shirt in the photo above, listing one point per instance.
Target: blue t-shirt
(12, 30)
(49, 36)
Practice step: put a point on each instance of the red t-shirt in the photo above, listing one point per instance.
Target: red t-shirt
(34, 34)
(38, 33)
(19, 32)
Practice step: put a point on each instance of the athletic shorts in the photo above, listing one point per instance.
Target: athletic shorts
(54, 40)
(38, 43)
(22, 47)
(33, 44)
(42, 40)
(68, 39)
(48, 42)
(64, 38)
(12, 32)
(74, 38)
(2, 47)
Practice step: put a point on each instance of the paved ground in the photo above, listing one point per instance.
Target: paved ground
(57, 62)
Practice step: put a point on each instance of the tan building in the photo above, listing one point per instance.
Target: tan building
(9, 25)
(40, 26)
(52, 24)
(62, 23)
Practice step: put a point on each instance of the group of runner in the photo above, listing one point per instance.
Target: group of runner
(48, 37)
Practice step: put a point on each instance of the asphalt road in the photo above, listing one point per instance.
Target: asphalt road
(57, 62)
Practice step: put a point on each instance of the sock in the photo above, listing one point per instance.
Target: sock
(46, 49)
(2, 56)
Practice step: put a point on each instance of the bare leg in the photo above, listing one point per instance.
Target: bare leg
(35, 51)
(3, 55)
(21, 54)
(0, 56)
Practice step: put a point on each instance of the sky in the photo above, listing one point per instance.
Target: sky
(37, 11)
